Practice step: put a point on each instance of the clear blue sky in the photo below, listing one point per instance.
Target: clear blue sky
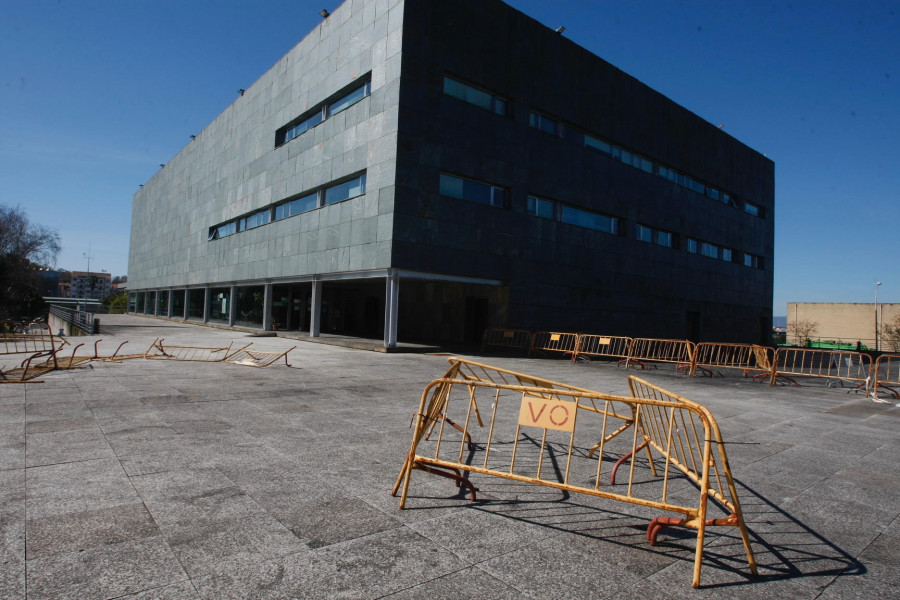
(94, 95)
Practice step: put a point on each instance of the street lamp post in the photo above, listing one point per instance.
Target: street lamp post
(877, 283)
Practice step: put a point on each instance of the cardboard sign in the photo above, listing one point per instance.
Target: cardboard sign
(547, 414)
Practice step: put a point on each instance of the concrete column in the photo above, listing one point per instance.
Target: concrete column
(206, 305)
(156, 303)
(267, 307)
(232, 311)
(315, 313)
(170, 312)
(391, 309)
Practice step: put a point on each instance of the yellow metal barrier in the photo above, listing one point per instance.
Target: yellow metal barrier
(835, 365)
(543, 342)
(601, 346)
(506, 338)
(886, 375)
(649, 350)
(28, 356)
(550, 434)
(749, 358)
(256, 358)
(160, 351)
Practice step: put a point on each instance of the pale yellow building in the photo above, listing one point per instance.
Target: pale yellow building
(844, 321)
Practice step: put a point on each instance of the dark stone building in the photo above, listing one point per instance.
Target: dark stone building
(424, 170)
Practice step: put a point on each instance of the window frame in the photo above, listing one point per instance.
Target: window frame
(494, 191)
(497, 102)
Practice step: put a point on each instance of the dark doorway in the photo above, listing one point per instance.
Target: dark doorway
(290, 306)
(693, 325)
(476, 319)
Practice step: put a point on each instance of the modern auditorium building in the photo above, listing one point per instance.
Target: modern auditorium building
(421, 170)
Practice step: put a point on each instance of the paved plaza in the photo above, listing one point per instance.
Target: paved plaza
(165, 480)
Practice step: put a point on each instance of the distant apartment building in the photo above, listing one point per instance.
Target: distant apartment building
(90, 285)
(845, 322)
(421, 170)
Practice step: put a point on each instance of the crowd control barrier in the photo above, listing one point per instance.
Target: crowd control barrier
(26, 356)
(834, 365)
(543, 342)
(256, 358)
(601, 346)
(886, 375)
(749, 358)
(159, 351)
(506, 338)
(481, 420)
(647, 350)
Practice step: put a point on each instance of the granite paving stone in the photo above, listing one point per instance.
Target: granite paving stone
(174, 480)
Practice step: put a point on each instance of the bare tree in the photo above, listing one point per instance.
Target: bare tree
(24, 248)
(800, 331)
(890, 333)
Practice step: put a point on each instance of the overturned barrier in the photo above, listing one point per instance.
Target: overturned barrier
(160, 351)
(650, 350)
(543, 342)
(256, 358)
(479, 419)
(25, 357)
(591, 346)
(749, 358)
(833, 365)
(514, 339)
(886, 375)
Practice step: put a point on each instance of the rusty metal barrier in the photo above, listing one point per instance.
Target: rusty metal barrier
(886, 375)
(29, 355)
(543, 342)
(546, 433)
(833, 365)
(159, 351)
(601, 346)
(256, 358)
(749, 358)
(651, 350)
(506, 338)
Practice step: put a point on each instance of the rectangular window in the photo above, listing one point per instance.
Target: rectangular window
(253, 221)
(752, 209)
(303, 126)
(726, 254)
(472, 95)
(643, 233)
(223, 230)
(753, 261)
(713, 193)
(349, 99)
(344, 191)
(322, 111)
(544, 123)
(295, 207)
(710, 250)
(589, 219)
(473, 191)
(691, 246)
(665, 238)
(541, 208)
(597, 144)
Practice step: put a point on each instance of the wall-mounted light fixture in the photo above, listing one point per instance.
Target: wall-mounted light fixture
(560, 29)
(325, 14)
(241, 91)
